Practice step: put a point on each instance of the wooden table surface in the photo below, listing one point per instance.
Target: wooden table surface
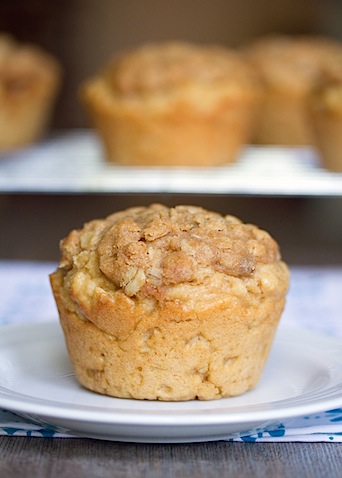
(63, 458)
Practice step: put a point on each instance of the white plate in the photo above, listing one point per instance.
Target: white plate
(303, 376)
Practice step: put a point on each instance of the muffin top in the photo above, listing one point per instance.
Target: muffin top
(162, 253)
(162, 67)
(295, 62)
(24, 68)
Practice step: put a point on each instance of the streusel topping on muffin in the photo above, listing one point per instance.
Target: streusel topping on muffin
(155, 68)
(146, 252)
(24, 67)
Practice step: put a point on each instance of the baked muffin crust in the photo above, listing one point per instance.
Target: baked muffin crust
(148, 251)
(290, 68)
(325, 107)
(169, 296)
(29, 81)
(173, 104)
(23, 67)
(296, 63)
(154, 69)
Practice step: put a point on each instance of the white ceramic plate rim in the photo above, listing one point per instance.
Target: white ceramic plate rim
(127, 413)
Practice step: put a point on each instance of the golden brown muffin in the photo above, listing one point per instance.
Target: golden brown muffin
(326, 116)
(29, 81)
(290, 67)
(165, 303)
(173, 104)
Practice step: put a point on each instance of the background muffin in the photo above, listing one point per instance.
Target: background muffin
(173, 104)
(169, 304)
(325, 107)
(290, 67)
(29, 81)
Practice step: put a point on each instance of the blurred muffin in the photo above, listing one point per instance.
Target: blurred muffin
(325, 107)
(165, 303)
(29, 81)
(173, 104)
(290, 67)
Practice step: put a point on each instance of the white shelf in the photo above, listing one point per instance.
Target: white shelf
(73, 163)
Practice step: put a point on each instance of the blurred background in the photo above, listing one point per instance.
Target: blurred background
(83, 34)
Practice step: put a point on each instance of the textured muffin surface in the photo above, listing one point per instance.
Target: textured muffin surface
(29, 82)
(326, 117)
(169, 303)
(166, 68)
(295, 63)
(290, 67)
(173, 103)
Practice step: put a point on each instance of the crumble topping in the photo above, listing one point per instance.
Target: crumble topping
(145, 250)
(161, 67)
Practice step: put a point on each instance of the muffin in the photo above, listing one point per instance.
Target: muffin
(29, 82)
(173, 104)
(290, 67)
(169, 304)
(325, 107)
